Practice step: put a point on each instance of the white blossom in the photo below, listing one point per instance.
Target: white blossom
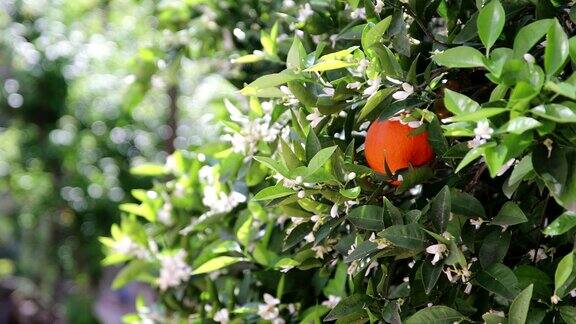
(394, 81)
(362, 65)
(165, 214)
(222, 316)
(483, 130)
(416, 190)
(350, 176)
(173, 270)
(474, 143)
(305, 12)
(477, 222)
(415, 124)
(268, 310)
(555, 299)
(301, 194)
(374, 85)
(572, 293)
(438, 250)
(364, 125)
(468, 288)
(407, 91)
(334, 211)
(354, 85)
(382, 243)
(320, 250)
(537, 255)
(529, 58)
(332, 301)
(315, 117)
(379, 6)
(359, 13)
(505, 167)
(310, 237)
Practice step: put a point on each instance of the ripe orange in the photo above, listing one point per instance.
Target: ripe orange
(390, 142)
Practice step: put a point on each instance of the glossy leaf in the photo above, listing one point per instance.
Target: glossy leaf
(435, 315)
(561, 224)
(460, 57)
(491, 23)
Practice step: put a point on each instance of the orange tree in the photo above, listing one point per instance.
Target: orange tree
(299, 214)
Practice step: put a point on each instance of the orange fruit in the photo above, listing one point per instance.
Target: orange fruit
(389, 142)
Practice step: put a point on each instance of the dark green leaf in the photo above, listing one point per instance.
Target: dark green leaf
(529, 35)
(500, 280)
(435, 315)
(409, 236)
(348, 306)
(494, 247)
(367, 217)
(440, 209)
(510, 214)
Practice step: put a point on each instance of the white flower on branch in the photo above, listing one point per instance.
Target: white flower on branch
(332, 301)
(315, 117)
(407, 91)
(437, 250)
(173, 270)
(483, 130)
(222, 316)
(374, 85)
(269, 311)
(305, 12)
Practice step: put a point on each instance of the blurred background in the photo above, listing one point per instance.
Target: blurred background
(89, 88)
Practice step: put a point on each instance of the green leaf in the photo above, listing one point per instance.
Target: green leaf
(562, 224)
(297, 235)
(269, 193)
(466, 205)
(367, 217)
(458, 103)
(440, 209)
(472, 155)
(530, 275)
(329, 65)
(500, 280)
(557, 50)
(273, 165)
(348, 306)
(530, 35)
(568, 313)
(410, 236)
(435, 315)
(564, 274)
(318, 161)
(481, 114)
(491, 23)
(460, 57)
(363, 250)
(520, 305)
(296, 58)
(430, 275)
(133, 271)
(313, 145)
(436, 137)
(519, 125)
(509, 215)
(373, 34)
(149, 170)
(351, 193)
(556, 112)
(494, 247)
(216, 264)
(374, 101)
(268, 81)
(558, 171)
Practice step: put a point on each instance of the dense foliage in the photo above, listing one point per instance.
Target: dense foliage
(281, 220)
